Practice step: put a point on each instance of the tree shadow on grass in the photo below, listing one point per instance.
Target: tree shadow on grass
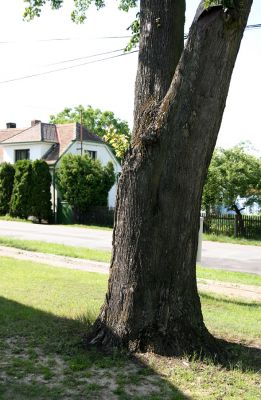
(228, 300)
(42, 356)
(239, 355)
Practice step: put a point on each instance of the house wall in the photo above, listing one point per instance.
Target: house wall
(37, 150)
(104, 155)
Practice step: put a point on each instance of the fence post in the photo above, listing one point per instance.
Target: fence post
(236, 226)
(200, 235)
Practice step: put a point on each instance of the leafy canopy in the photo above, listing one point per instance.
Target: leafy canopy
(233, 174)
(113, 130)
(80, 7)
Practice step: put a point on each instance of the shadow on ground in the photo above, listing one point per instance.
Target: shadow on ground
(42, 356)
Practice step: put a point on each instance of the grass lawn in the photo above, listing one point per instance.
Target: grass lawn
(16, 219)
(105, 256)
(44, 313)
(55, 248)
(233, 240)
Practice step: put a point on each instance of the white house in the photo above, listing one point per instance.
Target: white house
(51, 142)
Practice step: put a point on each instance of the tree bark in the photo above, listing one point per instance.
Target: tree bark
(161, 45)
(239, 222)
(152, 303)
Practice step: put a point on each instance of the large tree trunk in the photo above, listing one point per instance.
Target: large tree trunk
(152, 301)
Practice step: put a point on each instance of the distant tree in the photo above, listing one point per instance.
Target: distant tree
(7, 172)
(41, 193)
(84, 182)
(21, 197)
(233, 180)
(103, 123)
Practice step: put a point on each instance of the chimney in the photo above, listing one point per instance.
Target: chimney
(10, 125)
(35, 122)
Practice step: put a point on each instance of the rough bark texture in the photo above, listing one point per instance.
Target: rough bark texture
(152, 303)
(240, 229)
(161, 45)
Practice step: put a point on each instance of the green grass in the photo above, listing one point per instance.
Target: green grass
(44, 313)
(104, 256)
(229, 239)
(16, 219)
(228, 276)
(96, 227)
(55, 248)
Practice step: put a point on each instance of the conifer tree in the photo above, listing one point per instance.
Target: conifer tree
(7, 172)
(41, 193)
(21, 197)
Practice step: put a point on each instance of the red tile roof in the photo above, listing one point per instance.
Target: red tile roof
(6, 134)
(37, 133)
(67, 133)
(61, 135)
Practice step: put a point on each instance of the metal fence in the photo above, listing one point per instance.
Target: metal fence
(231, 225)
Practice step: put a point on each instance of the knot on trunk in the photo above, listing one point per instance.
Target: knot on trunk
(146, 133)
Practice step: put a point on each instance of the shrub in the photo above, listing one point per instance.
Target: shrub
(84, 182)
(7, 172)
(20, 205)
(41, 206)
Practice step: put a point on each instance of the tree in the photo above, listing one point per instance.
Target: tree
(233, 180)
(41, 206)
(20, 205)
(7, 172)
(152, 301)
(83, 182)
(103, 123)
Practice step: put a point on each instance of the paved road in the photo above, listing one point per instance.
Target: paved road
(72, 236)
(231, 257)
(214, 255)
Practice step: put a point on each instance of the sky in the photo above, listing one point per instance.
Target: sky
(50, 43)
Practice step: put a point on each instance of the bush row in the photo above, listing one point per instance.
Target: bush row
(25, 190)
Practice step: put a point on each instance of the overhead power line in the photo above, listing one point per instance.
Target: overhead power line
(255, 26)
(248, 27)
(66, 39)
(65, 68)
(89, 56)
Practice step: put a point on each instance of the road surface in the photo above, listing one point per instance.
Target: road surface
(226, 256)
(71, 236)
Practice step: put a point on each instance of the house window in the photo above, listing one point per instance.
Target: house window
(22, 154)
(92, 154)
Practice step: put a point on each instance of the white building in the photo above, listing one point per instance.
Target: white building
(51, 142)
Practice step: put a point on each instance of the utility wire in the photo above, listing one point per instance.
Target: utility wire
(67, 39)
(248, 27)
(89, 56)
(114, 51)
(65, 68)
(255, 26)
